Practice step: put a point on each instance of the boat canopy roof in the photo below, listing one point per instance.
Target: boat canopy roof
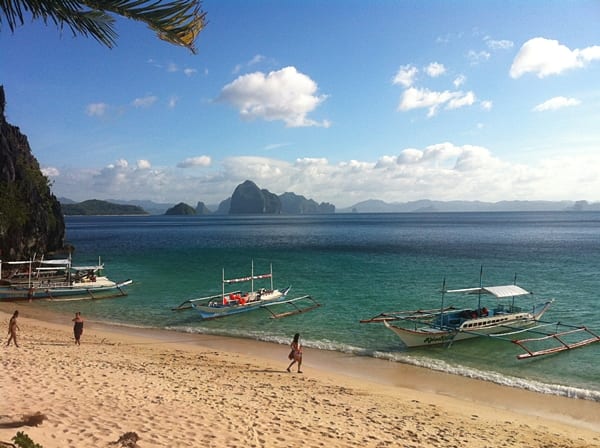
(97, 267)
(58, 262)
(496, 291)
(246, 279)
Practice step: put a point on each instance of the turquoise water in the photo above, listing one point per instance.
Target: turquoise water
(358, 265)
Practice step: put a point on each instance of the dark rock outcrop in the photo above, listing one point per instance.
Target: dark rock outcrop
(202, 209)
(224, 207)
(31, 221)
(181, 209)
(293, 204)
(247, 198)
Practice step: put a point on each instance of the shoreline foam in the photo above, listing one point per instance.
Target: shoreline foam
(189, 389)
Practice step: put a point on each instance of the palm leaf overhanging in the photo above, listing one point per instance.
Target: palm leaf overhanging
(178, 22)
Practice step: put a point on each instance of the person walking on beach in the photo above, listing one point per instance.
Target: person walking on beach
(12, 329)
(78, 327)
(296, 353)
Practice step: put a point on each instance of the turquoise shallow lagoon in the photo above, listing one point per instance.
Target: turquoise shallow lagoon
(358, 265)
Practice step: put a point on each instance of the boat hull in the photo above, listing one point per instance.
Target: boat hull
(490, 326)
(83, 291)
(215, 311)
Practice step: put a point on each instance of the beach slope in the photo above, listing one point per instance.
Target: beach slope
(176, 391)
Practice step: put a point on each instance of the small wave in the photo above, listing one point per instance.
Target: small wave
(427, 363)
(493, 377)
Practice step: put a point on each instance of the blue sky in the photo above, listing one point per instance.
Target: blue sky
(339, 101)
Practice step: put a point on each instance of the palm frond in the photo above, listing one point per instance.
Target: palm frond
(178, 22)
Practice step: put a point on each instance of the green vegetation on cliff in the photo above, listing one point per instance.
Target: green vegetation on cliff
(30, 218)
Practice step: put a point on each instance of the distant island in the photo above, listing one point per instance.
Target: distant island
(97, 207)
(181, 209)
(428, 206)
(248, 198)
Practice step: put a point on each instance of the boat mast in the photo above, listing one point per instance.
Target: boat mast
(29, 274)
(513, 298)
(272, 277)
(252, 277)
(69, 269)
(442, 305)
(223, 285)
(479, 293)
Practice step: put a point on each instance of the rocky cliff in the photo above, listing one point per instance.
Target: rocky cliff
(293, 204)
(202, 209)
(31, 221)
(247, 198)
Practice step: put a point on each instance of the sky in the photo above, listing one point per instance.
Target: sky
(338, 101)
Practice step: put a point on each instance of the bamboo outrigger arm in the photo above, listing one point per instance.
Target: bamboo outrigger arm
(297, 310)
(559, 337)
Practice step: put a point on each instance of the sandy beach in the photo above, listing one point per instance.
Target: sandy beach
(179, 390)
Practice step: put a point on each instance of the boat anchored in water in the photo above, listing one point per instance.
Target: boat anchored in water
(449, 324)
(56, 280)
(236, 302)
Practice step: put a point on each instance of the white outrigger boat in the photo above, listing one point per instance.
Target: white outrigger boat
(236, 302)
(448, 324)
(57, 280)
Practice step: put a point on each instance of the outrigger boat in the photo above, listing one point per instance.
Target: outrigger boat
(57, 280)
(448, 324)
(236, 302)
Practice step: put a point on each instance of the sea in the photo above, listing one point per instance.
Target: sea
(357, 266)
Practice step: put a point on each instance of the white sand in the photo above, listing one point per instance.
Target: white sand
(178, 390)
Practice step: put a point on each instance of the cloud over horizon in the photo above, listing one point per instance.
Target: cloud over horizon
(442, 171)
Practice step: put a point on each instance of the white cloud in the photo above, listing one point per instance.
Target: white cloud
(555, 103)
(146, 101)
(459, 81)
(189, 71)
(406, 75)
(190, 162)
(258, 169)
(442, 171)
(50, 171)
(143, 164)
(546, 57)
(120, 163)
(285, 95)
(172, 102)
(487, 105)
(498, 44)
(274, 146)
(435, 69)
(414, 98)
(96, 109)
(590, 53)
(475, 57)
(461, 100)
(256, 60)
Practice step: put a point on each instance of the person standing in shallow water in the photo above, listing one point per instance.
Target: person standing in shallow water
(296, 353)
(12, 329)
(78, 327)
